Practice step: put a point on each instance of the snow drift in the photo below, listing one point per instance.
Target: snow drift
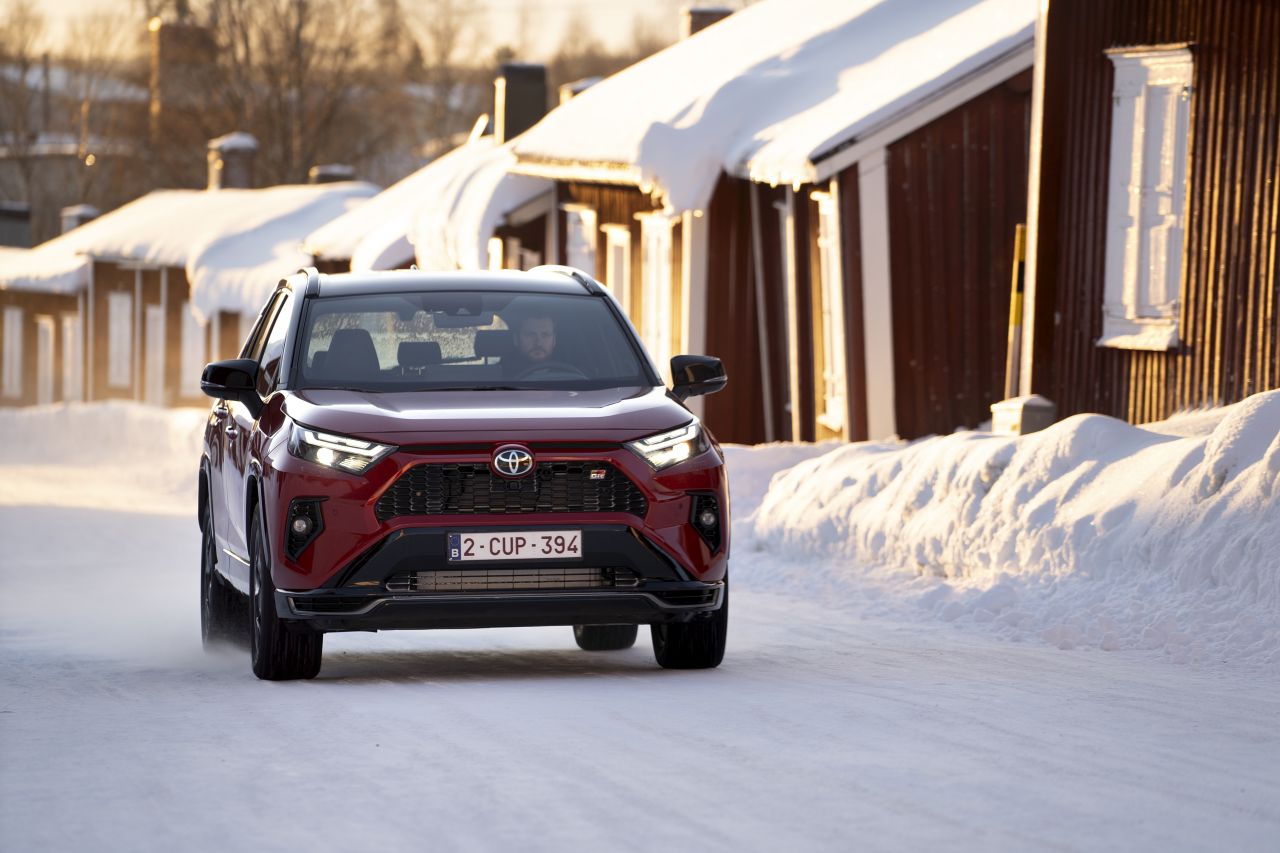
(1093, 532)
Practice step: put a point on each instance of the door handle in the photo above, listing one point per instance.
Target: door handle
(232, 431)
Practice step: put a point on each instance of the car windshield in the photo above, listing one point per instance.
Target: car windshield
(466, 341)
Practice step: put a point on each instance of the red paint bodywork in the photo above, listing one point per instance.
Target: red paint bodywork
(462, 427)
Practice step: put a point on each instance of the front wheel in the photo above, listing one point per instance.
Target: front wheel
(280, 652)
(605, 638)
(693, 645)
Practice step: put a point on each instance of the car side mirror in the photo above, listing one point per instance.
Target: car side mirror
(233, 379)
(692, 375)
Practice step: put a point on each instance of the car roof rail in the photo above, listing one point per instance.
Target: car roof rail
(313, 280)
(588, 283)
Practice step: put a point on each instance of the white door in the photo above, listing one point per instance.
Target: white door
(72, 364)
(44, 360)
(154, 369)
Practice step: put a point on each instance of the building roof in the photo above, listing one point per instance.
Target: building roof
(452, 231)
(234, 244)
(377, 231)
(42, 270)
(770, 91)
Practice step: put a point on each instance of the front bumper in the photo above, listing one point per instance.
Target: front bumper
(351, 610)
(636, 582)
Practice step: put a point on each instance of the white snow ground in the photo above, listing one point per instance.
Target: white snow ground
(845, 715)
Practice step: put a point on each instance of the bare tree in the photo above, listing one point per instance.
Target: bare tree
(24, 112)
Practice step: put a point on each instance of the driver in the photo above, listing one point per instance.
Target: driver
(536, 339)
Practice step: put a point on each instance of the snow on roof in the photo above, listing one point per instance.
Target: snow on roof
(68, 82)
(234, 268)
(453, 231)
(376, 232)
(768, 91)
(220, 237)
(235, 141)
(43, 269)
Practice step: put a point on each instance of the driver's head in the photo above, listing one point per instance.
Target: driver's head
(536, 338)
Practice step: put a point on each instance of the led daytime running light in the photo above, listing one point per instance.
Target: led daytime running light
(335, 451)
(669, 448)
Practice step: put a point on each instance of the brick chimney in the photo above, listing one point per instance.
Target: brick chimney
(694, 19)
(519, 99)
(231, 161)
(182, 61)
(330, 173)
(76, 215)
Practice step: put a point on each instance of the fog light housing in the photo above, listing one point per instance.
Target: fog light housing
(305, 524)
(705, 518)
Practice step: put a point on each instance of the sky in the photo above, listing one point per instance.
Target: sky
(611, 20)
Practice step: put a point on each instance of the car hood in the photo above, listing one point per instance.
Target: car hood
(614, 414)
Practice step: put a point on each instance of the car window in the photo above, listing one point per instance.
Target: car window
(273, 347)
(466, 340)
(252, 347)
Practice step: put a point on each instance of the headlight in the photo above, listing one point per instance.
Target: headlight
(668, 448)
(335, 451)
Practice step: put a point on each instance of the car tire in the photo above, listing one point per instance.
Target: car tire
(605, 638)
(220, 605)
(280, 652)
(698, 644)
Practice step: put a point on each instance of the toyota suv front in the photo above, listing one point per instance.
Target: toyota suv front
(409, 450)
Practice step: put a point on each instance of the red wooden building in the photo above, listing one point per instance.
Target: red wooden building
(822, 194)
(1155, 196)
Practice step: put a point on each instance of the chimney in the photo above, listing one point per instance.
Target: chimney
(182, 62)
(76, 215)
(330, 173)
(695, 19)
(519, 99)
(231, 161)
(569, 91)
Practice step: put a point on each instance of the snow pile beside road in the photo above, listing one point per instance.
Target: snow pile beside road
(122, 456)
(1091, 533)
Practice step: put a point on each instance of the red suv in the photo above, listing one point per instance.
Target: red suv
(421, 450)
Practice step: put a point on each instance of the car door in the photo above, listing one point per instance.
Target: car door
(237, 433)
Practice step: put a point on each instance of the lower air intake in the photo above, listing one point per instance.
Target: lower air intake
(495, 580)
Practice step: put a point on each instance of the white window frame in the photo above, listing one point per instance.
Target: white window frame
(193, 357)
(833, 406)
(656, 285)
(155, 349)
(496, 251)
(46, 356)
(581, 228)
(1146, 205)
(617, 263)
(12, 384)
(119, 339)
(72, 358)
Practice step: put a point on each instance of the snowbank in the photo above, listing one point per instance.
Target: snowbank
(1090, 533)
(771, 90)
(123, 456)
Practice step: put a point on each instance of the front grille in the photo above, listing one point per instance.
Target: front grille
(470, 488)
(486, 580)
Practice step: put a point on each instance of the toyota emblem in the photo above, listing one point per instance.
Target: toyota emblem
(512, 461)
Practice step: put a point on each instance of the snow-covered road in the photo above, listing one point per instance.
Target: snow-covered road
(824, 729)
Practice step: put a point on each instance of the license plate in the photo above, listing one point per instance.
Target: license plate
(517, 545)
